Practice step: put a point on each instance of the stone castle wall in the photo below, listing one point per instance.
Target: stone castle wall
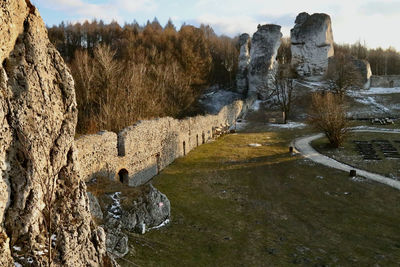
(386, 81)
(140, 151)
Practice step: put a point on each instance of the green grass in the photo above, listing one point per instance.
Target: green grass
(234, 205)
(348, 153)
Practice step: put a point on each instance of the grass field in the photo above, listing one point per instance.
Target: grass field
(235, 205)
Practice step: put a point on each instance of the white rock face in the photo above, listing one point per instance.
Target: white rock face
(263, 64)
(312, 45)
(242, 82)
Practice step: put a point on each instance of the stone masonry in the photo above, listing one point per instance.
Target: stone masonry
(140, 151)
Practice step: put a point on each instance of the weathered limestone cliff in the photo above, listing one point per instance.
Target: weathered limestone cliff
(263, 64)
(44, 210)
(312, 45)
(242, 82)
(365, 70)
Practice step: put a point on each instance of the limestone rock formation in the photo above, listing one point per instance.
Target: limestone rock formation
(263, 65)
(311, 45)
(150, 209)
(242, 82)
(43, 202)
(365, 70)
(117, 240)
(137, 210)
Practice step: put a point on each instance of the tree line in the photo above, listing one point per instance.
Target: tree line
(124, 74)
(383, 61)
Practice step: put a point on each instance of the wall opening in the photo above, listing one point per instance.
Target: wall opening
(391, 84)
(123, 175)
(203, 138)
(184, 148)
(158, 160)
(121, 146)
(197, 139)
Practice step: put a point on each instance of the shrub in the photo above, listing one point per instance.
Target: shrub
(328, 114)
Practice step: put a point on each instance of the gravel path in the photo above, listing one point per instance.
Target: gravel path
(303, 146)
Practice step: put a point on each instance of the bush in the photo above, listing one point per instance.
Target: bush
(328, 114)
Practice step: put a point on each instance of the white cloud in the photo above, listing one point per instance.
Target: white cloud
(136, 5)
(108, 11)
(371, 20)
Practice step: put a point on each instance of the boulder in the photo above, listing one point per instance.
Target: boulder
(311, 45)
(136, 210)
(117, 240)
(263, 65)
(38, 115)
(242, 82)
(150, 210)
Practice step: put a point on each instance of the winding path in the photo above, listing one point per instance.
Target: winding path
(303, 146)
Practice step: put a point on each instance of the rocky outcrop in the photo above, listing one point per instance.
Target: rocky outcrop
(94, 207)
(311, 45)
(242, 82)
(116, 241)
(150, 209)
(138, 210)
(43, 203)
(364, 68)
(263, 65)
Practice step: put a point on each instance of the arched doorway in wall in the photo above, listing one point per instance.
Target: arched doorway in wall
(184, 148)
(123, 176)
(203, 138)
(391, 84)
(197, 140)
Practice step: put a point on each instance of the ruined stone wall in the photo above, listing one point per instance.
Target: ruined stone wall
(386, 81)
(147, 147)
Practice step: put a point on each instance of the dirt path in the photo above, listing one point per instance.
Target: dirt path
(304, 147)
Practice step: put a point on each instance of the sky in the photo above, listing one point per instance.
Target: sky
(371, 21)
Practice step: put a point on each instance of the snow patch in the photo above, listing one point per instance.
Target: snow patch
(164, 223)
(288, 125)
(255, 145)
(17, 248)
(115, 211)
(17, 264)
(371, 101)
(380, 91)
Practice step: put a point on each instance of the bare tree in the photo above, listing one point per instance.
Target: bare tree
(328, 114)
(342, 74)
(282, 91)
